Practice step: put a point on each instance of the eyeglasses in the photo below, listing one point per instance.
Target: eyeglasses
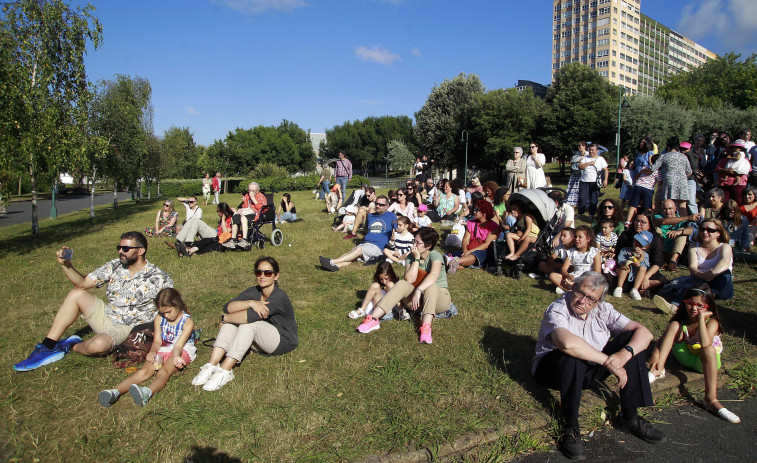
(580, 296)
(691, 303)
(263, 272)
(708, 230)
(419, 243)
(381, 204)
(608, 206)
(126, 248)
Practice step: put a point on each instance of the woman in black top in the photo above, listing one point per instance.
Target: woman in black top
(261, 319)
(653, 278)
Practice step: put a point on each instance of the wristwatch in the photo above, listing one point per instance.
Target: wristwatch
(629, 349)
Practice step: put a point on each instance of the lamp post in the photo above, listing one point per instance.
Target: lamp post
(464, 137)
(622, 103)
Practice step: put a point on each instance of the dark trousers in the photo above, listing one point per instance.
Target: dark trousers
(588, 195)
(571, 376)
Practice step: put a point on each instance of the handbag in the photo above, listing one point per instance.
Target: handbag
(419, 279)
(599, 181)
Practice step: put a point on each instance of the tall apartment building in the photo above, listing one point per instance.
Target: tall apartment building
(623, 45)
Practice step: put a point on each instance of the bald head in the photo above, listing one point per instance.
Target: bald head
(669, 208)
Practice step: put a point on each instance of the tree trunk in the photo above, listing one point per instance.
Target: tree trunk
(115, 195)
(35, 221)
(149, 192)
(92, 194)
(157, 182)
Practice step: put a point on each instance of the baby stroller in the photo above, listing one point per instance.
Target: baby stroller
(256, 237)
(544, 210)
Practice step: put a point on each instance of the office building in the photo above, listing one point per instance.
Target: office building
(540, 91)
(623, 45)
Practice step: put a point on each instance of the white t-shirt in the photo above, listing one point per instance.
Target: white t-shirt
(590, 173)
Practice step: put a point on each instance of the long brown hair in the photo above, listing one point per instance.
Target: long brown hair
(169, 297)
(589, 234)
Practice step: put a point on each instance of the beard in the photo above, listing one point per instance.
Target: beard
(128, 262)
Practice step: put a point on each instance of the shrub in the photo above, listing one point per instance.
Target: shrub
(308, 182)
(268, 169)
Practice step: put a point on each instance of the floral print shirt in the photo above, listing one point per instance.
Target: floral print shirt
(130, 299)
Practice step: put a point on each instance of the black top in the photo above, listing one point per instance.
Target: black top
(293, 210)
(280, 315)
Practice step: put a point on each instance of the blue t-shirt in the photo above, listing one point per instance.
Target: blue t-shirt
(379, 228)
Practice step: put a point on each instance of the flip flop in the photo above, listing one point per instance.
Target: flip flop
(357, 313)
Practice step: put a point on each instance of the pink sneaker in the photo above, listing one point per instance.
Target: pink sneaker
(426, 333)
(369, 324)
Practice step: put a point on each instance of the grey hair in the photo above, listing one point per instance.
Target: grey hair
(255, 185)
(518, 149)
(717, 192)
(592, 280)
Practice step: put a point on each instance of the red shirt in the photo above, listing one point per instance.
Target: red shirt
(216, 184)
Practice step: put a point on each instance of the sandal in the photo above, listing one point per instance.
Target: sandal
(672, 266)
(357, 313)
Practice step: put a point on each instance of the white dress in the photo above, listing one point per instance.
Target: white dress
(535, 176)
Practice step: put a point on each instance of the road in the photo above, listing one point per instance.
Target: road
(694, 435)
(21, 211)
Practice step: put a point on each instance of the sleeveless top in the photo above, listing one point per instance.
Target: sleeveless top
(693, 342)
(705, 264)
(169, 334)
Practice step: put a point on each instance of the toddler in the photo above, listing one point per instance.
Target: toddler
(633, 264)
(348, 221)
(400, 243)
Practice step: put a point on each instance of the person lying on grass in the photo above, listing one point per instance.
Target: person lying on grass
(132, 284)
(174, 351)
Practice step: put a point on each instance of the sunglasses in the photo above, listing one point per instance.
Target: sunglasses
(708, 230)
(608, 206)
(381, 204)
(126, 248)
(263, 272)
(191, 202)
(166, 205)
(399, 194)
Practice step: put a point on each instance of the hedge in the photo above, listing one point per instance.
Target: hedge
(309, 182)
(190, 187)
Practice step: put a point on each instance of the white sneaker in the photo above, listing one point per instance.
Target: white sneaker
(206, 371)
(634, 293)
(559, 291)
(218, 380)
(617, 292)
(229, 244)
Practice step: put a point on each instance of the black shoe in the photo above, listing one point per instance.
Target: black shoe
(642, 429)
(181, 249)
(326, 264)
(571, 445)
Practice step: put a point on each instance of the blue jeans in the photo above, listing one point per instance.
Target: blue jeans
(721, 286)
(324, 189)
(692, 196)
(588, 195)
(287, 217)
(342, 181)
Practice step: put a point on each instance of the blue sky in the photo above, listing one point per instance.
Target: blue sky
(215, 65)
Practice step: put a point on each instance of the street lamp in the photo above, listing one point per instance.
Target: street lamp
(622, 103)
(464, 138)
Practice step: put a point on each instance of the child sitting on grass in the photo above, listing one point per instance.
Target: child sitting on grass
(582, 257)
(348, 222)
(693, 336)
(633, 264)
(384, 279)
(399, 245)
(553, 263)
(421, 219)
(173, 351)
(524, 233)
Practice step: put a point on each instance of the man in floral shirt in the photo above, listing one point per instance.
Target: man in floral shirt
(132, 284)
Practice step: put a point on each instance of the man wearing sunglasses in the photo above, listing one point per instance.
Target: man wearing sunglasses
(582, 340)
(132, 284)
(380, 224)
(194, 211)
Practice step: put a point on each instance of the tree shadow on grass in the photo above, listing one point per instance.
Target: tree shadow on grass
(59, 231)
(210, 454)
(739, 324)
(512, 354)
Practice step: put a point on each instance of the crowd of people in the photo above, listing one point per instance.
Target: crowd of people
(703, 211)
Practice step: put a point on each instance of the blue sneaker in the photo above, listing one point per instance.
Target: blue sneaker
(66, 344)
(40, 356)
(140, 394)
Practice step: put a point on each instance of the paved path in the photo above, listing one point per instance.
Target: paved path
(21, 211)
(693, 436)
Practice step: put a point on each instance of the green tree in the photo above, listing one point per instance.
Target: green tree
(651, 115)
(503, 119)
(447, 112)
(399, 156)
(179, 153)
(581, 105)
(725, 80)
(43, 89)
(122, 115)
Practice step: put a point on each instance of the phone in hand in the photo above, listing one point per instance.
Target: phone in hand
(68, 254)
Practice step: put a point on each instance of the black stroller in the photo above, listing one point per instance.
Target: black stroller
(544, 209)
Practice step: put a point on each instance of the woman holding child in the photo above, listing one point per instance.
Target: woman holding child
(652, 278)
(424, 286)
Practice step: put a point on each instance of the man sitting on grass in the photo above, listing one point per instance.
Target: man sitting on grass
(132, 284)
(378, 231)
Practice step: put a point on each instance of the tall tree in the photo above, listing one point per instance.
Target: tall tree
(122, 115)
(447, 112)
(582, 105)
(725, 80)
(43, 89)
(179, 153)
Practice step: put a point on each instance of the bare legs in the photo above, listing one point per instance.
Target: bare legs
(79, 302)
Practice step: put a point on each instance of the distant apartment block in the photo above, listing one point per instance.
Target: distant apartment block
(623, 45)
(315, 140)
(538, 89)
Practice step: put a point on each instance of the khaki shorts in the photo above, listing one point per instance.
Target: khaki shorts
(101, 324)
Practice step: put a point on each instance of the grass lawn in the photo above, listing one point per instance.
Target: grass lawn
(338, 397)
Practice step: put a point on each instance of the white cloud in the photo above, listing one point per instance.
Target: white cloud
(376, 54)
(731, 21)
(262, 6)
(191, 111)
(416, 52)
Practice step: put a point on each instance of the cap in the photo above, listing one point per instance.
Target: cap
(685, 145)
(644, 237)
(422, 207)
(351, 209)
